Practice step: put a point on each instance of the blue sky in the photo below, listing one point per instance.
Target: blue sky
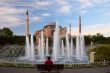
(95, 14)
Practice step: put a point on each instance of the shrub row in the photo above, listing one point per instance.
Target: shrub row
(91, 65)
(28, 65)
(21, 65)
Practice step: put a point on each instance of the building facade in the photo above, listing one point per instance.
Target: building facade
(49, 31)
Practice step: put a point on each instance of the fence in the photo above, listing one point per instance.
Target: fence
(89, 65)
(32, 64)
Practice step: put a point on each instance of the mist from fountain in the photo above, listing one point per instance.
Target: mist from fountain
(42, 46)
(27, 48)
(80, 48)
(83, 49)
(71, 48)
(56, 43)
(32, 48)
(62, 48)
(39, 48)
(47, 48)
(67, 46)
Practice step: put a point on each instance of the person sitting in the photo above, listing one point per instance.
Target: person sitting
(49, 61)
(49, 64)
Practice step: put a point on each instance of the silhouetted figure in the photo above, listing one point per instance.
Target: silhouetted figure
(49, 61)
(49, 64)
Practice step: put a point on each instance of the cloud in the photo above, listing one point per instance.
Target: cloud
(6, 10)
(85, 3)
(62, 6)
(83, 12)
(93, 29)
(61, 2)
(36, 18)
(9, 16)
(65, 9)
(43, 3)
(46, 14)
(99, 28)
(107, 13)
(92, 3)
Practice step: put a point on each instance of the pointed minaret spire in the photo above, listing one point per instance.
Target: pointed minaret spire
(79, 23)
(27, 12)
(70, 29)
(27, 23)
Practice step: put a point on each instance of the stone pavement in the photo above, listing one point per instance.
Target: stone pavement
(34, 70)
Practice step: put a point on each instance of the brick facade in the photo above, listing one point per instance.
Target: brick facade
(49, 31)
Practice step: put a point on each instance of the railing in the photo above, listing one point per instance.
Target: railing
(16, 63)
(89, 65)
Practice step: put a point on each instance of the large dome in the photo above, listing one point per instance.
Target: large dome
(51, 24)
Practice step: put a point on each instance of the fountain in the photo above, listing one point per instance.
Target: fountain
(32, 48)
(56, 43)
(27, 48)
(72, 53)
(42, 46)
(39, 48)
(47, 49)
(62, 49)
(60, 54)
(67, 47)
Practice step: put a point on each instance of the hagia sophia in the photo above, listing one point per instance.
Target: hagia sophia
(49, 29)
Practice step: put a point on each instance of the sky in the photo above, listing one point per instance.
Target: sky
(95, 15)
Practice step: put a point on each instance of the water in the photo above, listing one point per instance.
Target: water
(67, 46)
(62, 49)
(39, 47)
(27, 48)
(60, 54)
(83, 49)
(72, 53)
(42, 46)
(56, 43)
(32, 56)
(81, 53)
(47, 48)
(78, 48)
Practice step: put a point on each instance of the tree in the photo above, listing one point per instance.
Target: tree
(102, 52)
(18, 39)
(0, 32)
(88, 40)
(7, 32)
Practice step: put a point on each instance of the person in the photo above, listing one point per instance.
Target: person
(48, 61)
(49, 64)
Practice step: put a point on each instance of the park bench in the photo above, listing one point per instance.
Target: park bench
(50, 68)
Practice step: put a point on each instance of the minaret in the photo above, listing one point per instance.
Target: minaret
(27, 23)
(79, 23)
(70, 30)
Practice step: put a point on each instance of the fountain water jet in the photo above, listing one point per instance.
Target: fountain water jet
(72, 48)
(67, 46)
(56, 43)
(42, 46)
(39, 48)
(32, 48)
(62, 49)
(27, 48)
(80, 48)
(47, 49)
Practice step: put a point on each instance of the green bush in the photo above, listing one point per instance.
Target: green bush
(24, 65)
(7, 64)
(77, 66)
(102, 52)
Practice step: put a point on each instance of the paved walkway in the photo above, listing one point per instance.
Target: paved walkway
(34, 70)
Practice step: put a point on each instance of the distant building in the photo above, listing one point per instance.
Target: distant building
(49, 31)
